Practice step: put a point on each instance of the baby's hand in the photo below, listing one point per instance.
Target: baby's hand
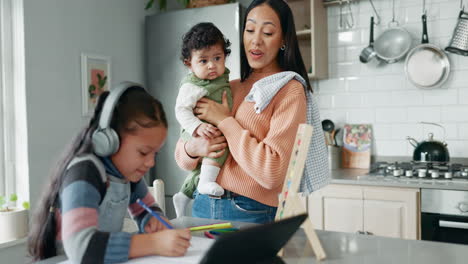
(206, 130)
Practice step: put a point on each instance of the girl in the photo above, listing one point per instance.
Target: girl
(269, 103)
(82, 209)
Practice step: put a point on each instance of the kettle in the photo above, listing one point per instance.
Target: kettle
(430, 150)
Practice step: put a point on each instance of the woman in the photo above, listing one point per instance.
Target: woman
(260, 142)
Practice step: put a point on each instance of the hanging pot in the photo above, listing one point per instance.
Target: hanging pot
(430, 150)
(394, 43)
(427, 66)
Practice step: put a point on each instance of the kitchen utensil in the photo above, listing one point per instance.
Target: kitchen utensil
(430, 150)
(459, 42)
(394, 43)
(368, 53)
(427, 66)
(328, 126)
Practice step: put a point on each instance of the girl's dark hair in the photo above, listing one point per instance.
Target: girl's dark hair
(135, 104)
(200, 36)
(290, 59)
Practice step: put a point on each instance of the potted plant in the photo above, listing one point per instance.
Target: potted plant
(13, 220)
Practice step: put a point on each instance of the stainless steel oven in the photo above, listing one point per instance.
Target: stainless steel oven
(444, 215)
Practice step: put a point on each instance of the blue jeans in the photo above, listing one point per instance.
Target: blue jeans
(237, 208)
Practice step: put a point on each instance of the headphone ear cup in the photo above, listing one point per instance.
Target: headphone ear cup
(105, 142)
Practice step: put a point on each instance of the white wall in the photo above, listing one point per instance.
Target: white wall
(381, 95)
(56, 32)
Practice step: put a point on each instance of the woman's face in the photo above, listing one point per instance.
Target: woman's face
(263, 38)
(137, 151)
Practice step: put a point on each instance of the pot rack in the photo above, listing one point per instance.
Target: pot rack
(327, 3)
(337, 2)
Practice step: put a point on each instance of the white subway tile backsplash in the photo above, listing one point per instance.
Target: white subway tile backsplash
(390, 115)
(447, 96)
(380, 93)
(455, 113)
(389, 82)
(463, 131)
(390, 147)
(424, 114)
(361, 116)
(406, 98)
(347, 100)
(382, 131)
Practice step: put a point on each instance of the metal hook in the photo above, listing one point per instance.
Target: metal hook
(376, 14)
(424, 11)
(462, 6)
(350, 24)
(393, 14)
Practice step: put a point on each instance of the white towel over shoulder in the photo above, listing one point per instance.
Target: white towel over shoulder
(316, 173)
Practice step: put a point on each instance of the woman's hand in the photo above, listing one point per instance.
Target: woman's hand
(154, 225)
(211, 111)
(202, 147)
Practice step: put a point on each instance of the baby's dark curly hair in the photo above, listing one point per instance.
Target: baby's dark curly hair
(203, 35)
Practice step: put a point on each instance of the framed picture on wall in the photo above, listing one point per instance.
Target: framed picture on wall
(95, 79)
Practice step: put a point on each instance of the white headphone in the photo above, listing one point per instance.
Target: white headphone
(105, 140)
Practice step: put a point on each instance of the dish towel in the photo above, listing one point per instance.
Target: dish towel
(316, 173)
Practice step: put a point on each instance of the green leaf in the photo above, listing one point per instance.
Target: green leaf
(99, 77)
(162, 4)
(13, 197)
(149, 4)
(26, 205)
(2, 201)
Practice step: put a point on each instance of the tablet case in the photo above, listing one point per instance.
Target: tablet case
(258, 244)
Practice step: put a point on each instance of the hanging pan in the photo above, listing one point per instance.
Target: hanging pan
(427, 66)
(394, 43)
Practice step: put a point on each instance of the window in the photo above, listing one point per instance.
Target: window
(13, 128)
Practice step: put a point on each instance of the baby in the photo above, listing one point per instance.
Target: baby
(204, 51)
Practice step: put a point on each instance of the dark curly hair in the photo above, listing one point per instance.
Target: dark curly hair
(201, 36)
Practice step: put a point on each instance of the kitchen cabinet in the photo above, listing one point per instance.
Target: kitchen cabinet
(381, 211)
(310, 19)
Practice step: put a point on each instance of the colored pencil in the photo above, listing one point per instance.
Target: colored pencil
(211, 226)
(208, 235)
(155, 214)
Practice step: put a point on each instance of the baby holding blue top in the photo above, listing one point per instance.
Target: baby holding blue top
(204, 51)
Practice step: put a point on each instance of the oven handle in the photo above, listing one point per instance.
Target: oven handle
(452, 224)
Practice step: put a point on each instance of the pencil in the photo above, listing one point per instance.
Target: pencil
(153, 213)
(211, 226)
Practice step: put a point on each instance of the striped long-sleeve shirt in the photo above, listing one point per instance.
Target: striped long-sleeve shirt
(260, 144)
(81, 194)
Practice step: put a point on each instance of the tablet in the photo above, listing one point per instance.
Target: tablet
(258, 244)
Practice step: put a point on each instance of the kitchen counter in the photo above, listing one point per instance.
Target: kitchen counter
(350, 248)
(361, 177)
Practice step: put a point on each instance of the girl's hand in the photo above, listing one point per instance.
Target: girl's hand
(212, 112)
(202, 147)
(153, 225)
(171, 242)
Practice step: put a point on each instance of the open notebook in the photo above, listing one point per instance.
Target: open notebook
(198, 248)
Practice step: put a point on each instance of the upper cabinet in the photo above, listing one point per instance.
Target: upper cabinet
(312, 32)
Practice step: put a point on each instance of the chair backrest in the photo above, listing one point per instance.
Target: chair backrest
(158, 192)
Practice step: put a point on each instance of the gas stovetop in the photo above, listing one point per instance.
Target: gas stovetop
(420, 170)
(438, 174)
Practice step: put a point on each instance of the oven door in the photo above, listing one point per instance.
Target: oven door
(444, 228)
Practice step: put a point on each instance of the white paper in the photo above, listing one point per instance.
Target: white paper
(199, 245)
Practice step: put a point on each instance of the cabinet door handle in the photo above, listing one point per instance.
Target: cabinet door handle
(452, 224)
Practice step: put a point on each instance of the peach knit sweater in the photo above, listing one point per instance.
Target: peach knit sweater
(260, 144)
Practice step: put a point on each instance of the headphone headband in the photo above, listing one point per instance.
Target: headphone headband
(111, 102)
(105, 139)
